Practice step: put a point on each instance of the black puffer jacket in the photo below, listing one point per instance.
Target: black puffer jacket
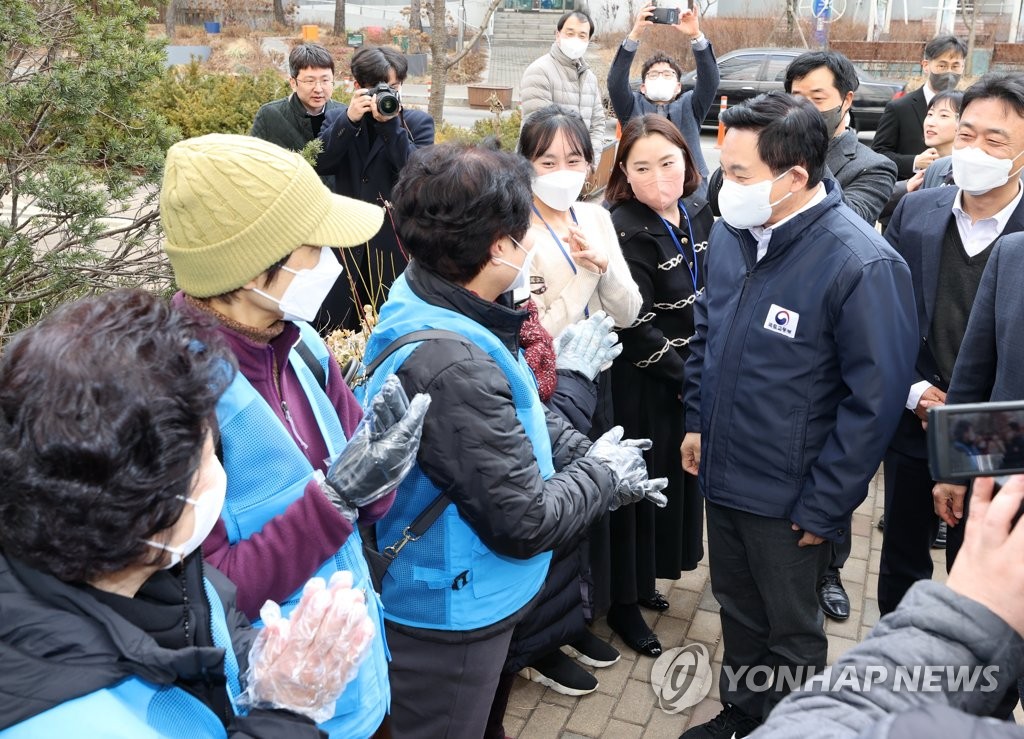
(496, 486)
(59, 642)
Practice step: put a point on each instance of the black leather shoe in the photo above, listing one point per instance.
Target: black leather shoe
(940, 538)
(833, 598)
(626, 621)
(881, 523)
(649, 645)
(656, 602)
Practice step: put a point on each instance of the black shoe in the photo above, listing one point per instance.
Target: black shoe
(731, 722)
(561, 674)
(627, 622)
(656, 602)
(940, 538)
(833, 599)
(592, 651)
(881, 523)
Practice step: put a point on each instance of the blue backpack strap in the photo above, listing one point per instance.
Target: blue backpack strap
(222, 639)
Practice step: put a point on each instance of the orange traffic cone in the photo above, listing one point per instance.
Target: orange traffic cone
(721, 126)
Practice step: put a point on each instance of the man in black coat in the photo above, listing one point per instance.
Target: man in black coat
(294, 121)
(365, 150)
(945, 234)
(900, 134)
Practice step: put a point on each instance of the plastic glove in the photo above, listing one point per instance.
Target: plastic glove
(587, 346)
(381, 451)
(303, 663)
(626, 461)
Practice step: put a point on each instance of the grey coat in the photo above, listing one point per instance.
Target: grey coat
(867, 178)
(932, 626)
(555, 78)
(286, 123)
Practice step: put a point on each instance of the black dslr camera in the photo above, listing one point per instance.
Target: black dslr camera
(388, 102)
(666, 16)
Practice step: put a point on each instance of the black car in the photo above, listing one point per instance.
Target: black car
(746, 73)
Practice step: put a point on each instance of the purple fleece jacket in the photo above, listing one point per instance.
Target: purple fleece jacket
(278, 560)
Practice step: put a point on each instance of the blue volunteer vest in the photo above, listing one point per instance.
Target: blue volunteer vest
(137, 709)
(449, 579)
(266, 473)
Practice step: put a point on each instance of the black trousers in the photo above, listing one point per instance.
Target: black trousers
(840, 553)
(767, 588)
(910, 528)
(443, 690)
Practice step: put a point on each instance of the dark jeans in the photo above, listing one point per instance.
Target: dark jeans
(910, 528)
(767, 588)
(443, 690)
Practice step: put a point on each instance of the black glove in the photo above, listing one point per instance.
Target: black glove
(381, 451)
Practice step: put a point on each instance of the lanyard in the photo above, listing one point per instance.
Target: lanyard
(695, 269)
(561, 246)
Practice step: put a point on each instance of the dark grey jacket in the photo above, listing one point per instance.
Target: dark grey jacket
(867, 178)
(932, 626)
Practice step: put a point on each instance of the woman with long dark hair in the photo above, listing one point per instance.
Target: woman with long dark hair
(663, 230)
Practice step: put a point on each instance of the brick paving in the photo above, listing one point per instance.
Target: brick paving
(624, 704)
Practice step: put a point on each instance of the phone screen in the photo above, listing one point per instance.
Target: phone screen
(979, 439)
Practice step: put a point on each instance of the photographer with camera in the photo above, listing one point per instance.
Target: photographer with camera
(660, 88)
(366, 144)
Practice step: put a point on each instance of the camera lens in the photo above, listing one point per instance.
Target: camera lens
(387, 103)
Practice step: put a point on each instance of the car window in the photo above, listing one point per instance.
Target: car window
(742, 67)
(777, 66)
(863, 74)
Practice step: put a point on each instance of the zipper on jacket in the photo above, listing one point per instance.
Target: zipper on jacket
(284, 406)
(291, 423)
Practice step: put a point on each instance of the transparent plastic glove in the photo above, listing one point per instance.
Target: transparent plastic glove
(626, 461)
(587, 346)
(303, 663)
(381, 451)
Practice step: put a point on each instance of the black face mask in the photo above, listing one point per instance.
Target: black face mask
(833, 118)
(942, 81)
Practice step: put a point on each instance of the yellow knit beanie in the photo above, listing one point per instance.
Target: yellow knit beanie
(232, 206)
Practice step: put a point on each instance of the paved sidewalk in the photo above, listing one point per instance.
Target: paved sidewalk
(624, 705)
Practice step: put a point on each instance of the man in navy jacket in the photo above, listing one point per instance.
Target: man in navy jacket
(365, 150)
(804, 345)
(659, 91)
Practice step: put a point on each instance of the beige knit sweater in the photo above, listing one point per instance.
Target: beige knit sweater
(561, 295)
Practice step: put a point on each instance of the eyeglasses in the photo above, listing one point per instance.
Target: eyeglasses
(313, 82)
(941, 67)
(667, 74)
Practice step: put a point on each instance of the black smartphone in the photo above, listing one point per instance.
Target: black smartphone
(666, 16)
(975, 440)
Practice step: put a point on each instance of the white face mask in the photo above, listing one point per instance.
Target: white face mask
(308, 289)
(660, 90)
(520, 286)
(559, 190)
(976, 172)
(206, 510)
(574, 48)
(747, 206)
